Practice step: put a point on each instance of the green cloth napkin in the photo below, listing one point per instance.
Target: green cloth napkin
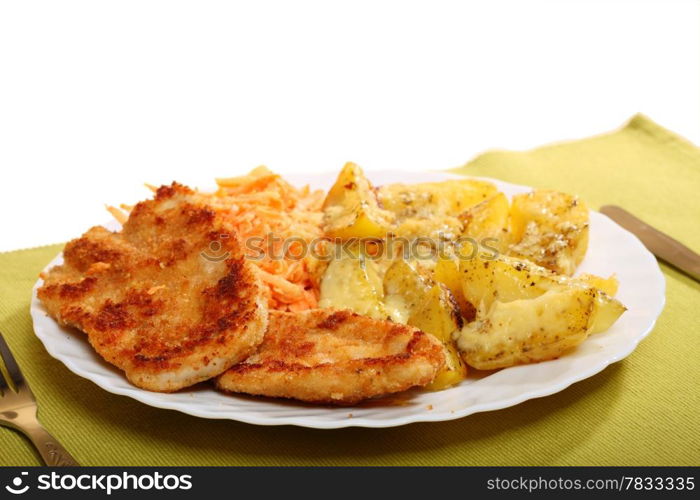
(641, 411)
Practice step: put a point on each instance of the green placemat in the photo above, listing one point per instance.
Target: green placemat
(641, 411)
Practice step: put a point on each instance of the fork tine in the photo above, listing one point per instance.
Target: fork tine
(11, 365)
(3, 385)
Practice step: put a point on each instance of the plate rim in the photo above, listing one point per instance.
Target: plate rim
(38, 313)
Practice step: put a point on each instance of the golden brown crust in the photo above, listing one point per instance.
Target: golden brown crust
(337, 357)
(155, 300)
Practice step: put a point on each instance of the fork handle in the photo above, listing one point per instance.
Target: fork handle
(48, 447)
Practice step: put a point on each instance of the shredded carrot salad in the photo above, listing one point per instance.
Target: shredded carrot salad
(277, 223)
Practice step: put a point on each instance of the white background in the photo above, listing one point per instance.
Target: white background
(98, 97)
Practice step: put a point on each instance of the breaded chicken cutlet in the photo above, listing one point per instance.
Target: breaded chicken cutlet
(338, 357)
(153, 302)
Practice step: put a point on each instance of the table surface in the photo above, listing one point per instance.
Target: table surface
(99, 98)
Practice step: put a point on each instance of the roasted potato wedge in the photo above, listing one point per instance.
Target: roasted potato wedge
(507, 285)
(607, 285)
(506, 279)
(350, 209)
(433, 208)
(439, 315)
(526, 331)
(608, 309)
(449, 197)
(446, 271)
(606, 312)
(549, 228)
(352, 282)
(488, 220)
(410, 298)
(435, 226)
(452, 373)
(404, 290)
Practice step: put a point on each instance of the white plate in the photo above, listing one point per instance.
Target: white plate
(611, 250)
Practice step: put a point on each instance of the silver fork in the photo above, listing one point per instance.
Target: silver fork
(18, 411)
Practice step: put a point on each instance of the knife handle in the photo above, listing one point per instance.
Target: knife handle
(658, 243)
